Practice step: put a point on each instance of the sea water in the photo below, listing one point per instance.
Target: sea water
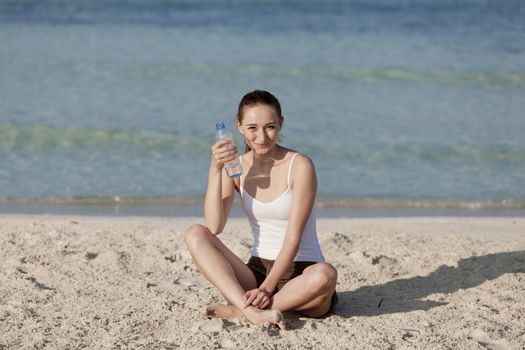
(392, 99)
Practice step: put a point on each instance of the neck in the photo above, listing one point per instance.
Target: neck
(262, 160)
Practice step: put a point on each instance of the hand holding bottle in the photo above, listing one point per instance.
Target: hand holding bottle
(224, 152)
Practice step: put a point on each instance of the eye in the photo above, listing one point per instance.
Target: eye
(271, 127)
(251, 128)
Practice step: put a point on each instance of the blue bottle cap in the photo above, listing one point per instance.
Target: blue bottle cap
(219, 125)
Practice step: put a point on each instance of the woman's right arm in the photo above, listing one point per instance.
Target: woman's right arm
(220, 191)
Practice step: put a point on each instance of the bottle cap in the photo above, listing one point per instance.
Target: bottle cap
(219, 125)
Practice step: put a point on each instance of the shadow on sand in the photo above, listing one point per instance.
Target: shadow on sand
(403, 295)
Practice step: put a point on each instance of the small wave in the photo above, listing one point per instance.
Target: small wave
(410, 75)
(38, 139)
(422, 203)
(106, 200)
(328, 72)
(332, 14)
(413, 153)
(325, 202)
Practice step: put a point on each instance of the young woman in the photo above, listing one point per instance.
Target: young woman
(278, 186)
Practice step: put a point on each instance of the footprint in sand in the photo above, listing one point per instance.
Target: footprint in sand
(484, 340)
(91, 256)
(383, 260)
(212, 326)
(218, 325)
(124, 259)
(388, 265)
(190, 282)
(227, 343)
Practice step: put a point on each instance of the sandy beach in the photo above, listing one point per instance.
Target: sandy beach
(70, 282)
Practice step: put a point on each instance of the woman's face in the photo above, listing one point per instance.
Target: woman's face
(260, 128)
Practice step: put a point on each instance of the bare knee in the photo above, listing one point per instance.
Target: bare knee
(194, 235)
(322, 277)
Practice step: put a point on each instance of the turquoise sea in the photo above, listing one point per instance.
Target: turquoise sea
(402, 104)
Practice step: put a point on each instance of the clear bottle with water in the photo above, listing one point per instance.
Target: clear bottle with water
(233, 168)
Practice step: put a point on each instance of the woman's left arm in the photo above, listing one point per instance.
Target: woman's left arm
(304, 185)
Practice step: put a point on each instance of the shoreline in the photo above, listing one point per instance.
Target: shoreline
(323, 201)
(327, 207)
(115, 282)
(178, 211)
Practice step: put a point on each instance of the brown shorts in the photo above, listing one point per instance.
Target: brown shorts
(261, 268)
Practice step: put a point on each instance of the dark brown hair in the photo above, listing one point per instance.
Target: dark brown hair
(257, 97)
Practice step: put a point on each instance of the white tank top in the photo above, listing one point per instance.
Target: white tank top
(269, 222)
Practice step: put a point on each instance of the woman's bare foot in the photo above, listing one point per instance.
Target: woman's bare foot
(258, 316)
(253, 315)
(220, 311)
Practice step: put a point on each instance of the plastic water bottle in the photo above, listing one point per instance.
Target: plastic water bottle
(233, 168)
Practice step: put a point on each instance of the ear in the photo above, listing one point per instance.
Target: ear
(281, 122)
(238, 126)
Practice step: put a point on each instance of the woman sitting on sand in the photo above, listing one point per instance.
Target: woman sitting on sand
(287, 271)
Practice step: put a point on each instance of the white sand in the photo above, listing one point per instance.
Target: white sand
(119, 283)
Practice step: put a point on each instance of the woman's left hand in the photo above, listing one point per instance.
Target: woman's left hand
(257, 297)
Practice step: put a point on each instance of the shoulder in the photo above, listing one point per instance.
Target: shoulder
(302, 174)
(302, 163)
(302, 171)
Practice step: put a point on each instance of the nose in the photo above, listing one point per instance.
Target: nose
(261, 135)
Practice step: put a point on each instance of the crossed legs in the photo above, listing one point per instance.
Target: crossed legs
(309, 293)
(228, 273)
